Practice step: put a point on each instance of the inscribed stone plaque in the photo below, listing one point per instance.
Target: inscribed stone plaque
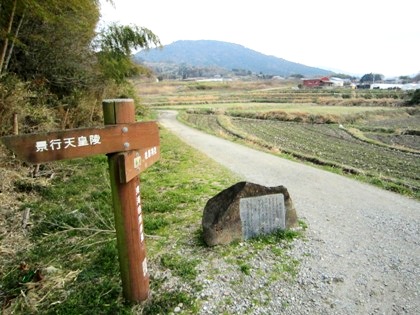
(262, 215)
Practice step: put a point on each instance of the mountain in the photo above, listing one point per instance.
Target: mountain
(223, 55)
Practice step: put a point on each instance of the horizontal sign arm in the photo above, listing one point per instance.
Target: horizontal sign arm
(76, 143)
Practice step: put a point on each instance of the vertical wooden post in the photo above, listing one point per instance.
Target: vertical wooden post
(15, 124)
(127, 211)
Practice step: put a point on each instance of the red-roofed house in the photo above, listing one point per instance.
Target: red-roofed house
(317, 82)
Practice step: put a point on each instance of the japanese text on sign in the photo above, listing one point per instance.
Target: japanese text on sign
(149, 153)
(65, 143)
(140, 217)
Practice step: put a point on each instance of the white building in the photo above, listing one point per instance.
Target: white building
(388, 86)
(337, 81)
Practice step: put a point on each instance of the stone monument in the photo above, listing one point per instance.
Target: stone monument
(246, 210)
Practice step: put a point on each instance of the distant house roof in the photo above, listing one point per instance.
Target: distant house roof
(324, 79)
(316, 82)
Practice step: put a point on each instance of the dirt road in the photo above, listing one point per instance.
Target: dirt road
(362, 255)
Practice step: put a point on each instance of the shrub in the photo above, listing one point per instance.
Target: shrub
(415, 98)
(29, 101)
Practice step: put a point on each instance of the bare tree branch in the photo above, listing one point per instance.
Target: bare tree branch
(6, 39)
(9, 55)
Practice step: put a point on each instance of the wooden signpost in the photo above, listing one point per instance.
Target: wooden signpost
(131, 147)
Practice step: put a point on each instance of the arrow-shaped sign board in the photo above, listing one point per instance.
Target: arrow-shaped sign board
(132, 163)
(75, 143)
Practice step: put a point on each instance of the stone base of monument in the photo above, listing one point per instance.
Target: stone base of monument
(246, 210)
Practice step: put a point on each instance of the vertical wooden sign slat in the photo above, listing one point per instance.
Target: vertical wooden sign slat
(130, 235)
(127, 213)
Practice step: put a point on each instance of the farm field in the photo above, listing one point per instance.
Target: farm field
(323, 144)
(184, 93)
(367, 134)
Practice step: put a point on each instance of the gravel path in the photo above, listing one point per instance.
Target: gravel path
(361, 254)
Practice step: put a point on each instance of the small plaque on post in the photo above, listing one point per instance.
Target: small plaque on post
(262, 215)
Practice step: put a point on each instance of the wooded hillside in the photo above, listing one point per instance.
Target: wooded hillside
(55, 67)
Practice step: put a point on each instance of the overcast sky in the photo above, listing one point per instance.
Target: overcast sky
(352, 36)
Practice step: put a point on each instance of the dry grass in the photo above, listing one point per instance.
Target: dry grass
(388, 102)
(13, 237)
(51, 280)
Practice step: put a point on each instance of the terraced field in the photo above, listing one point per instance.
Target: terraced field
(324, 144)
(368, 133)
(174, 93)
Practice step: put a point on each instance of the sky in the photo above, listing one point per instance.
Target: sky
(347, 36)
